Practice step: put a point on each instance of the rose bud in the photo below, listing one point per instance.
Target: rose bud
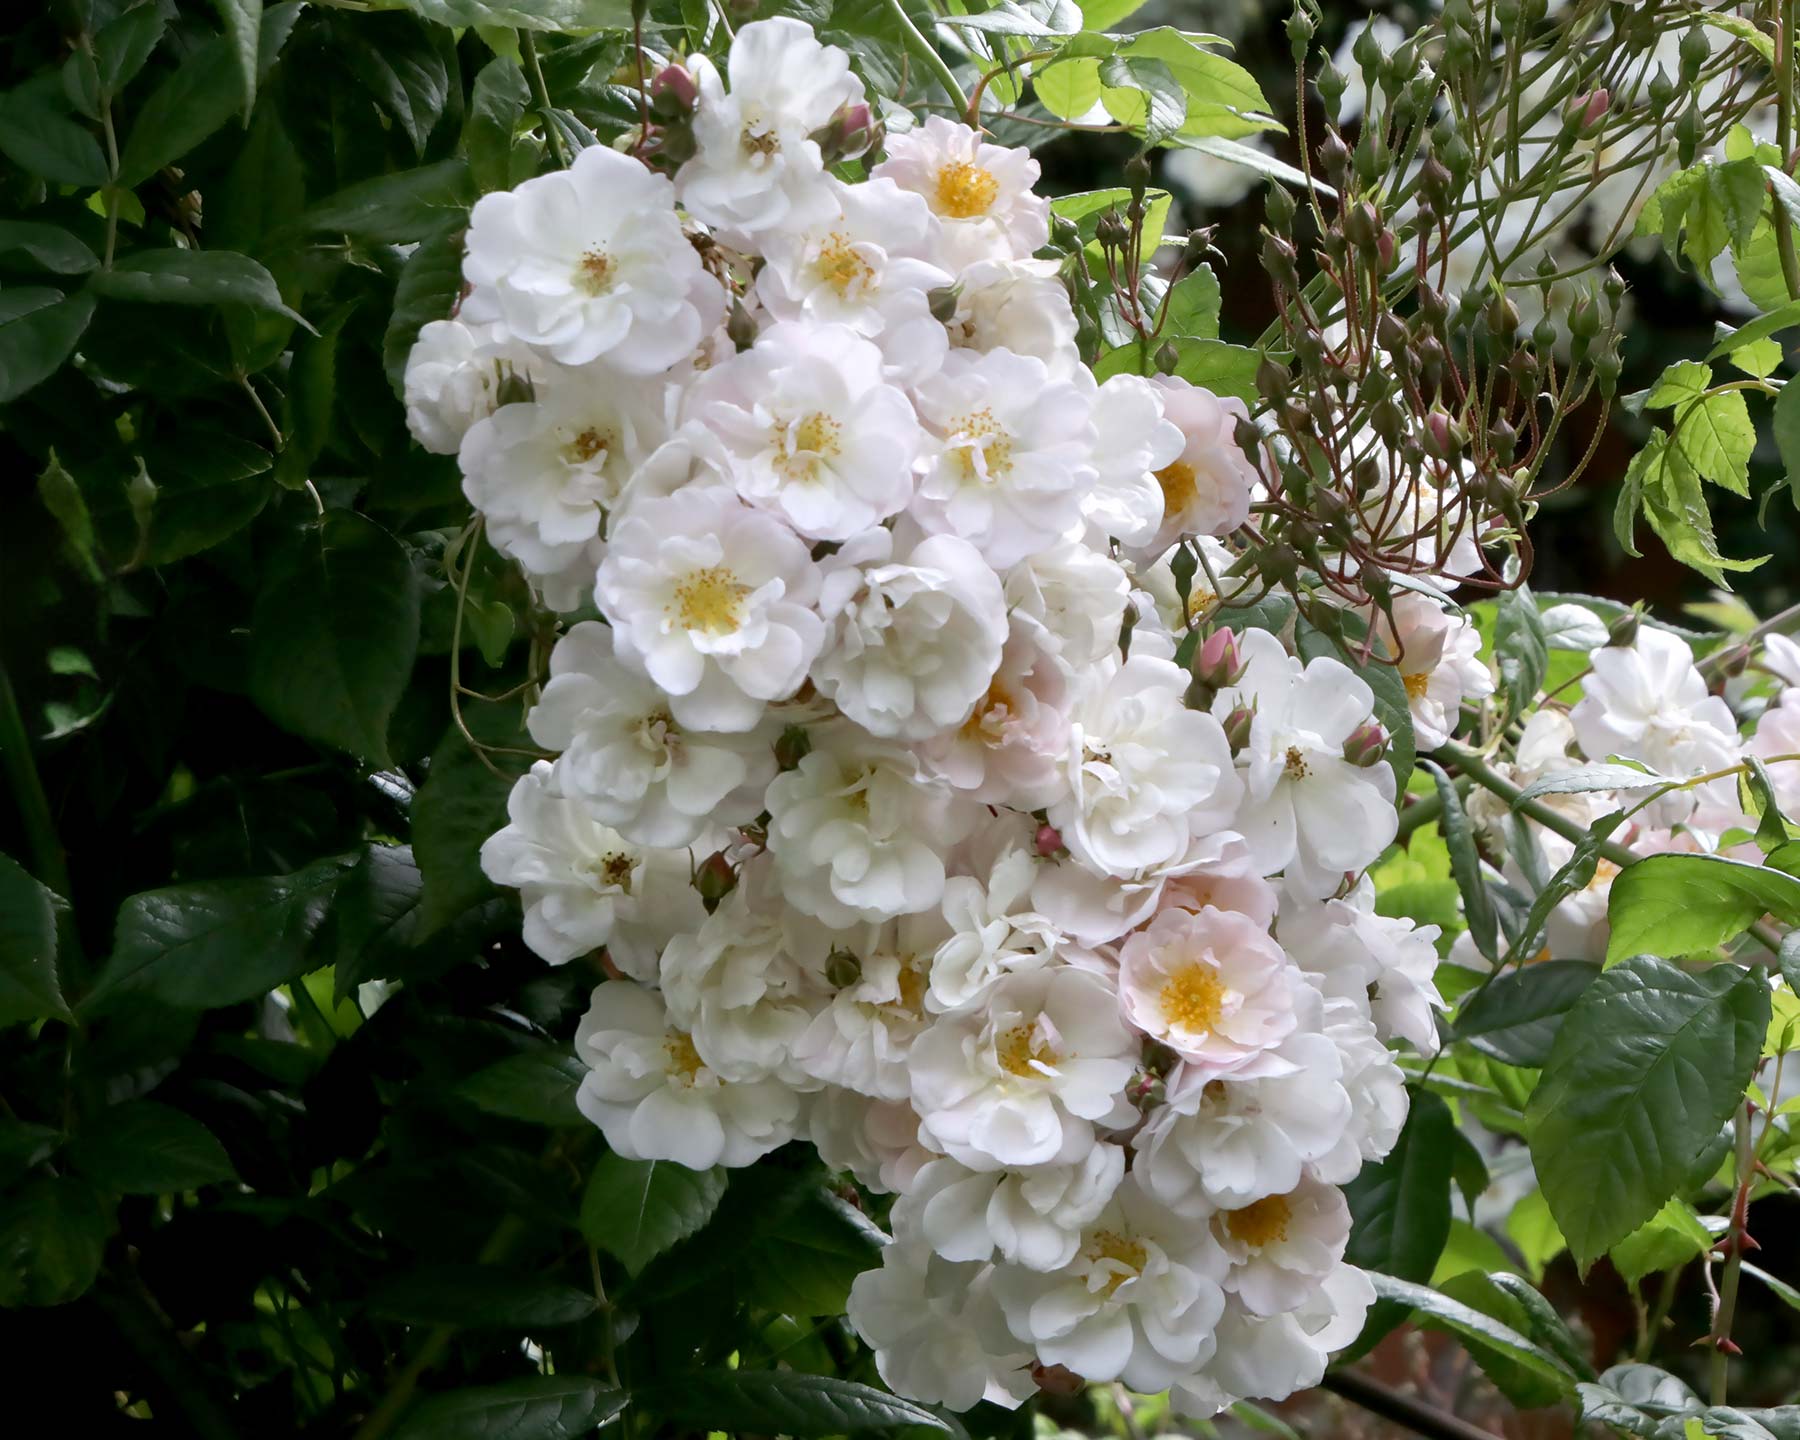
(1367, 745)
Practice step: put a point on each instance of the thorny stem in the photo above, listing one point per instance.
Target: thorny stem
(1735, 1241)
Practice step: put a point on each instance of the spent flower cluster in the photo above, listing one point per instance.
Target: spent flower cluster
(878, 784)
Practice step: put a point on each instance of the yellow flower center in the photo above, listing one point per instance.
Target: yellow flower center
(615, 869)
(965, 191)
(797, 455)
(1295, 767)
(711, 600)
(1262, 1222)
(1123, 1251)
(840, 267)
(911, 982)
(1604, 870)
(586, 446)
(1200, 599)
(982, 434)
(766, 143)
(1416, 683)
(684, 1060)
(987, 723)
(1023, 1052)
(594, 273)
(1179, 491)
(1193, 999)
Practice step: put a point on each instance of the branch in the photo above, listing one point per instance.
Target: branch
(1415, 1415)
(927, 53)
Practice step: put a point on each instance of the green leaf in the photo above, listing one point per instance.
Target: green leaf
(1068, 88)
(1676, 508)
(460, 804)
(1472, 1324)
(1779, 1288)
(1527, 1386)
(1194, 305)
(308, 400)
(122, 47)
(778, 1402)
(53, 1235)
(1743, 29)
(38, 331)
(429, 283)
(1784, 318)
(205, 92)
(1223, 98)
(496, 106)
(1515, 1017)
(216, 942)
(243, 27)
(1465, 864)
(1678, 904)
(1544, 1325)
(1671, 1237)
(334, 634)
(527, 14)
(374, 917)
(49, 247)
(1521, 648)
(539, 1407)
(537, 1085)
(636, 1209)
(40, 134)
(1222, 368)
(397, 62)
(1400, 1206)
(480, 1297)
(397, 208)
(1785, 426)
(1086, 208)
(1144, 95)
(146, 1148)
(207, 488)
(193, 277)
(1104, 14)
(1716, 437)
(29, 986)
(1650, 1063)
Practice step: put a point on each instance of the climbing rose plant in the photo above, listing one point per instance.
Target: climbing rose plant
(688, 759)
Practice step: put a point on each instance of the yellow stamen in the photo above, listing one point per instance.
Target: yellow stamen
(965, 191)
(1295, 767)
(711, 600)
(1193, 999)
(684, 1060)
(587, 445)
(1179, 490)
(595, 272)
(814, 439)
(1415, 684)
(1022, 1051)
(840, 267)
(1260, 1223)
(989, 439)
(1122, 1250)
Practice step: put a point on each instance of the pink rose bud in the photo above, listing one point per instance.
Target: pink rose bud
(1367, 745)
(1220, 661)
(715, 879)
(1237, 727)
(847, 134)
(1057, 1380)
(1588, 109)
(1437, 423)
(1384, 247)
(1048, 842)
(673, 91)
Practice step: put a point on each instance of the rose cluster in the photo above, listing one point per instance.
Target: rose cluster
(877, 782)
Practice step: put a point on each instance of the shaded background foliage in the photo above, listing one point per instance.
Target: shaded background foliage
(206, 685)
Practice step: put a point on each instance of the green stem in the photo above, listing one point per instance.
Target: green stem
(1426, 808)
(927, 53)
(1478, 770)
(48, 860)
(540, 93)
(1784, 140)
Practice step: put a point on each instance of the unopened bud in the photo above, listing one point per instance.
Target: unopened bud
(1137, 176)
(1586, 111)
(1111, 230)
(1237, 727)
(740, 329)
(1622, 630)
(715, 879)
(514, 389)
(792, 746)
(1367, 746)
(848, 133)
(1734, 662)
(944, 302)
(1334, 156)
(1167, 358)
(1220, 660)
(1694, 52)
(1384, 248)
(1048, 842)
(1057, 1380)
(842, 969)
(673, 92)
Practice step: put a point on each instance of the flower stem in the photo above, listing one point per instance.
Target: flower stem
(1722, 1345)
(928, 55)
(1784, 140)
(540, 93)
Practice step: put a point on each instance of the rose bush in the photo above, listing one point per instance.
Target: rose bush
(687, 758)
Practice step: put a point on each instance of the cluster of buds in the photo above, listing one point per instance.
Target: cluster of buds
(670, 95)
(1409, 430)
